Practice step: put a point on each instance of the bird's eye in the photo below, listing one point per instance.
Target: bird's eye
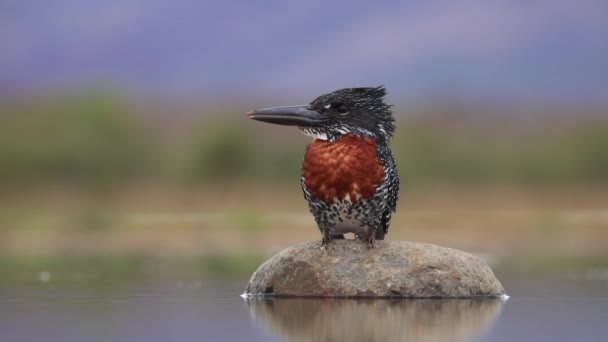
(339, 107)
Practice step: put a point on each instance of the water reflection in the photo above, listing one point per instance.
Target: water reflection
(301, 319)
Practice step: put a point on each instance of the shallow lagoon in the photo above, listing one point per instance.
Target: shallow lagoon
(169, 299)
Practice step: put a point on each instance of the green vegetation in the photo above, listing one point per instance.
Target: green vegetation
(570, 155)
(97, 139)
(90, 140)
(94, 175)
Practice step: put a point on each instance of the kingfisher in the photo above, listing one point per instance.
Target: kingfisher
(349, 176)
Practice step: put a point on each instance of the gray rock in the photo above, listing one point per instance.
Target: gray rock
(348, 268)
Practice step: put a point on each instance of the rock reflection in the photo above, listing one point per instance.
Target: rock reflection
(300, 319)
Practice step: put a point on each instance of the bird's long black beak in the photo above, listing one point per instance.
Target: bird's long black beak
(303, 116)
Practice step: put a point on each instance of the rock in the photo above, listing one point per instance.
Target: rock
(348, 268)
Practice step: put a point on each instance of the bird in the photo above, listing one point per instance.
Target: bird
(349, 175)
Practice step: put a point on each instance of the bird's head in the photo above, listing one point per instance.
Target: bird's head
(360, 111)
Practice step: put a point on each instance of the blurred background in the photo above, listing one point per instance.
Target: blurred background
(122, 127)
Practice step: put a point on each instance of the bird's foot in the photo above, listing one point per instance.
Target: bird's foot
(370, 242)
(326, 239)
(369, 238)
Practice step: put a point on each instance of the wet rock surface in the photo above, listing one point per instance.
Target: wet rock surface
(348, 268)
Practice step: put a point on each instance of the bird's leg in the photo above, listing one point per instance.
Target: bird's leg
(327, 237)
(370, 241)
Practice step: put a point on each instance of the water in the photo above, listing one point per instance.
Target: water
(164, 301)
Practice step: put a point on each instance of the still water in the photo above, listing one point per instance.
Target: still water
(132, 302)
